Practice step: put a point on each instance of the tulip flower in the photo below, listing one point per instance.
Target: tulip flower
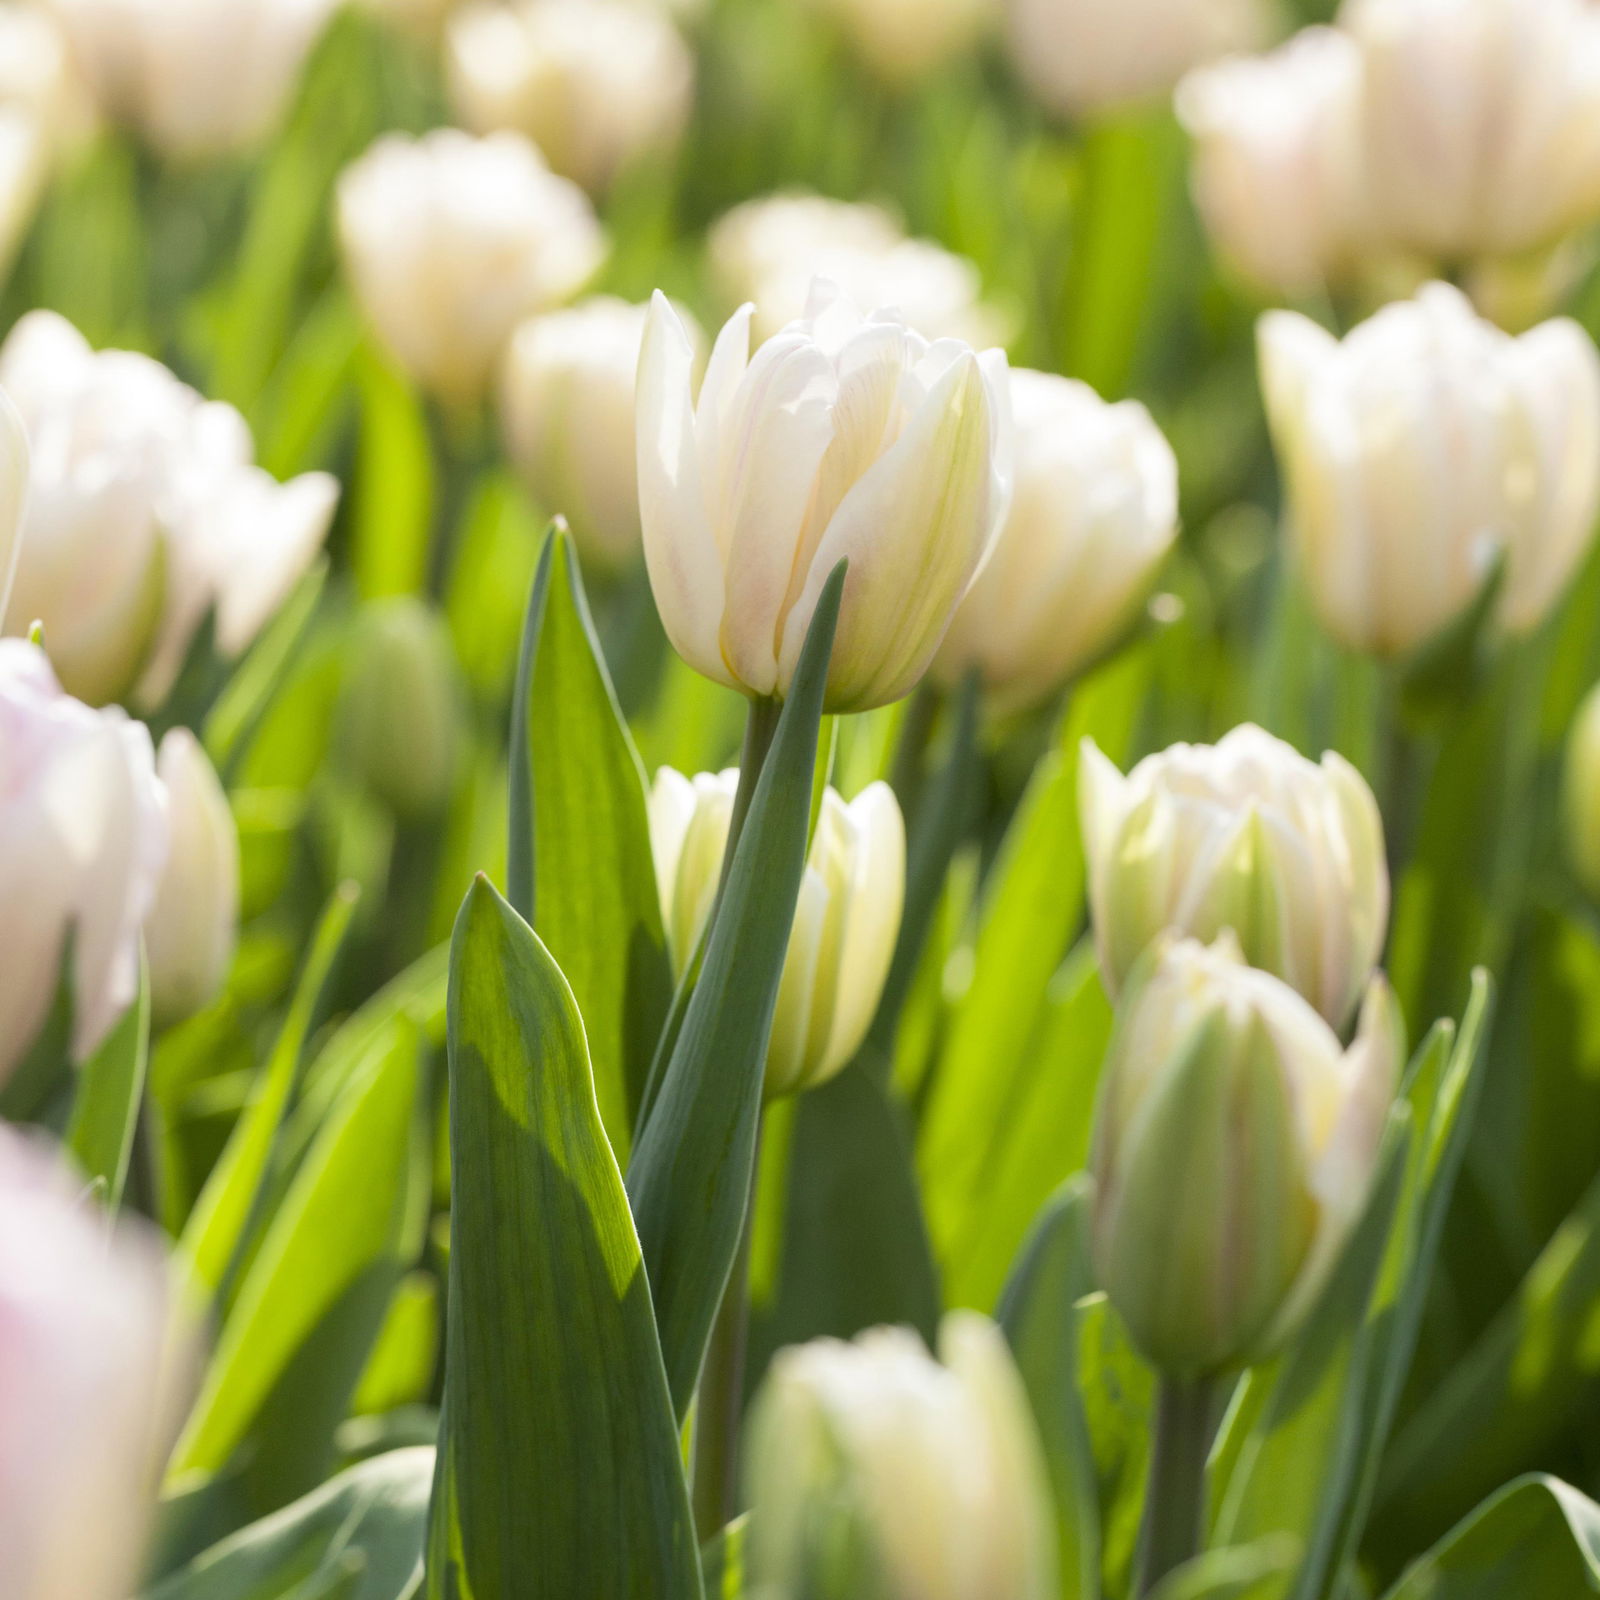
(596, 84)
(1246, 835)
(1481, 120)
(197, 78)
(1421, 449)
(83, 836)
(877, 1471)
(903, 41)
(843, 438)
(94, 1367)
(845, 925)
(1084, 57)
(146, 513)
(192, 926)
(1278, 170)
(1094, 512)
(1234, 1146)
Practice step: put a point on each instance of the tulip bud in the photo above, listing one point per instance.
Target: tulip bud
(1246, 835)
(401, 711)
(191, 930)
(1278, 171)
(1482, 120)
(845, 924)
(1094, 511)
(596, 84)
(13, 494)
(843, 438)
(145, 514)
(1581, 794)
(1234, 1146)
(39, 76)
(83, 834)
(197, 78)
(451, 241)
(95, 1363)
(1081, 57)
(903, 41)
(1422, 447)
(878, 1473)
(769, 252)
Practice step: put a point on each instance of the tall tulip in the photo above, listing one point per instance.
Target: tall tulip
(843, 437)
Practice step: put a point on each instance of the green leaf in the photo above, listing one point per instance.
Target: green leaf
(392, 506)
(105, 1110)
(1242, 1572)
(581, 869)
(689, 1180)
(723, 1559)
(561, 1473)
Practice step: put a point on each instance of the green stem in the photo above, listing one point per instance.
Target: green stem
(1175, 1500)
(760, 727)
(907, 775)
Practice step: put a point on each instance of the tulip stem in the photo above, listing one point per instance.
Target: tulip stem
(760, 728)
(1175, 1499)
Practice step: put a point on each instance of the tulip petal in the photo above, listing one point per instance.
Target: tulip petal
(13, 494)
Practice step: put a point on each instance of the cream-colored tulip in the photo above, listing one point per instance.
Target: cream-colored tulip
(1245, 835)
(845, 925)
(770, 251)
(146, 513)
(1234, 1147)
(1421, 446)
(83, 836)
(843, 437)
(1278, 172)
(451, 241)
(1482, 120)
(197, 78)
(876, 1470)
(903, 41)
(1094, 512)
(192, 926)
(1083, 57)
(596, 84)
(14, 474)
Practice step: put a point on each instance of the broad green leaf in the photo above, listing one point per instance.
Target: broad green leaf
(560, 1472)
(400, 1370)
(105, 1109)
(581, 869)
(689, 1180)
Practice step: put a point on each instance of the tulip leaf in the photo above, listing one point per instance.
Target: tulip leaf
(1240, 1572)
(689, 1180)
(395, 489)
(581, 869)
(560, 1472)
(723, 1561)
(105, 1109)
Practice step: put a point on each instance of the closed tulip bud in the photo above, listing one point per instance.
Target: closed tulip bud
(1245, 835)
(596, 84)
(83, 835)
(196, 78)
(770, 251)
(1082, 57)
(878, 1473)
(902, 41)
(451, 241)
(192, 927)
(96, 1361)
(1581, 794)
(845, 925)
(39, 75)
(1482, 120)
(1277, 161)
(146, 514)
(1421, 449)
(1234, 1146)
(843, 438)
(1094, 512)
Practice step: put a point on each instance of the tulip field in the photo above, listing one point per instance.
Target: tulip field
(799, 799)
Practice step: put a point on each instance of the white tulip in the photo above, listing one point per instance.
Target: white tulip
(842, 437)
(197, 78)
(1082, 57)
(192, 926)
(83, 835)
(845, 925)
(596, 84)
(1278, 171)
(146, 512)
(1245, 835)
(1094, 512)
(1482, 120)
(39, 75)
(874, 1469)
(903, 41)
(1422, 445)
(451, 241)
(770, 251)
(14, 473)
(96, 1362)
